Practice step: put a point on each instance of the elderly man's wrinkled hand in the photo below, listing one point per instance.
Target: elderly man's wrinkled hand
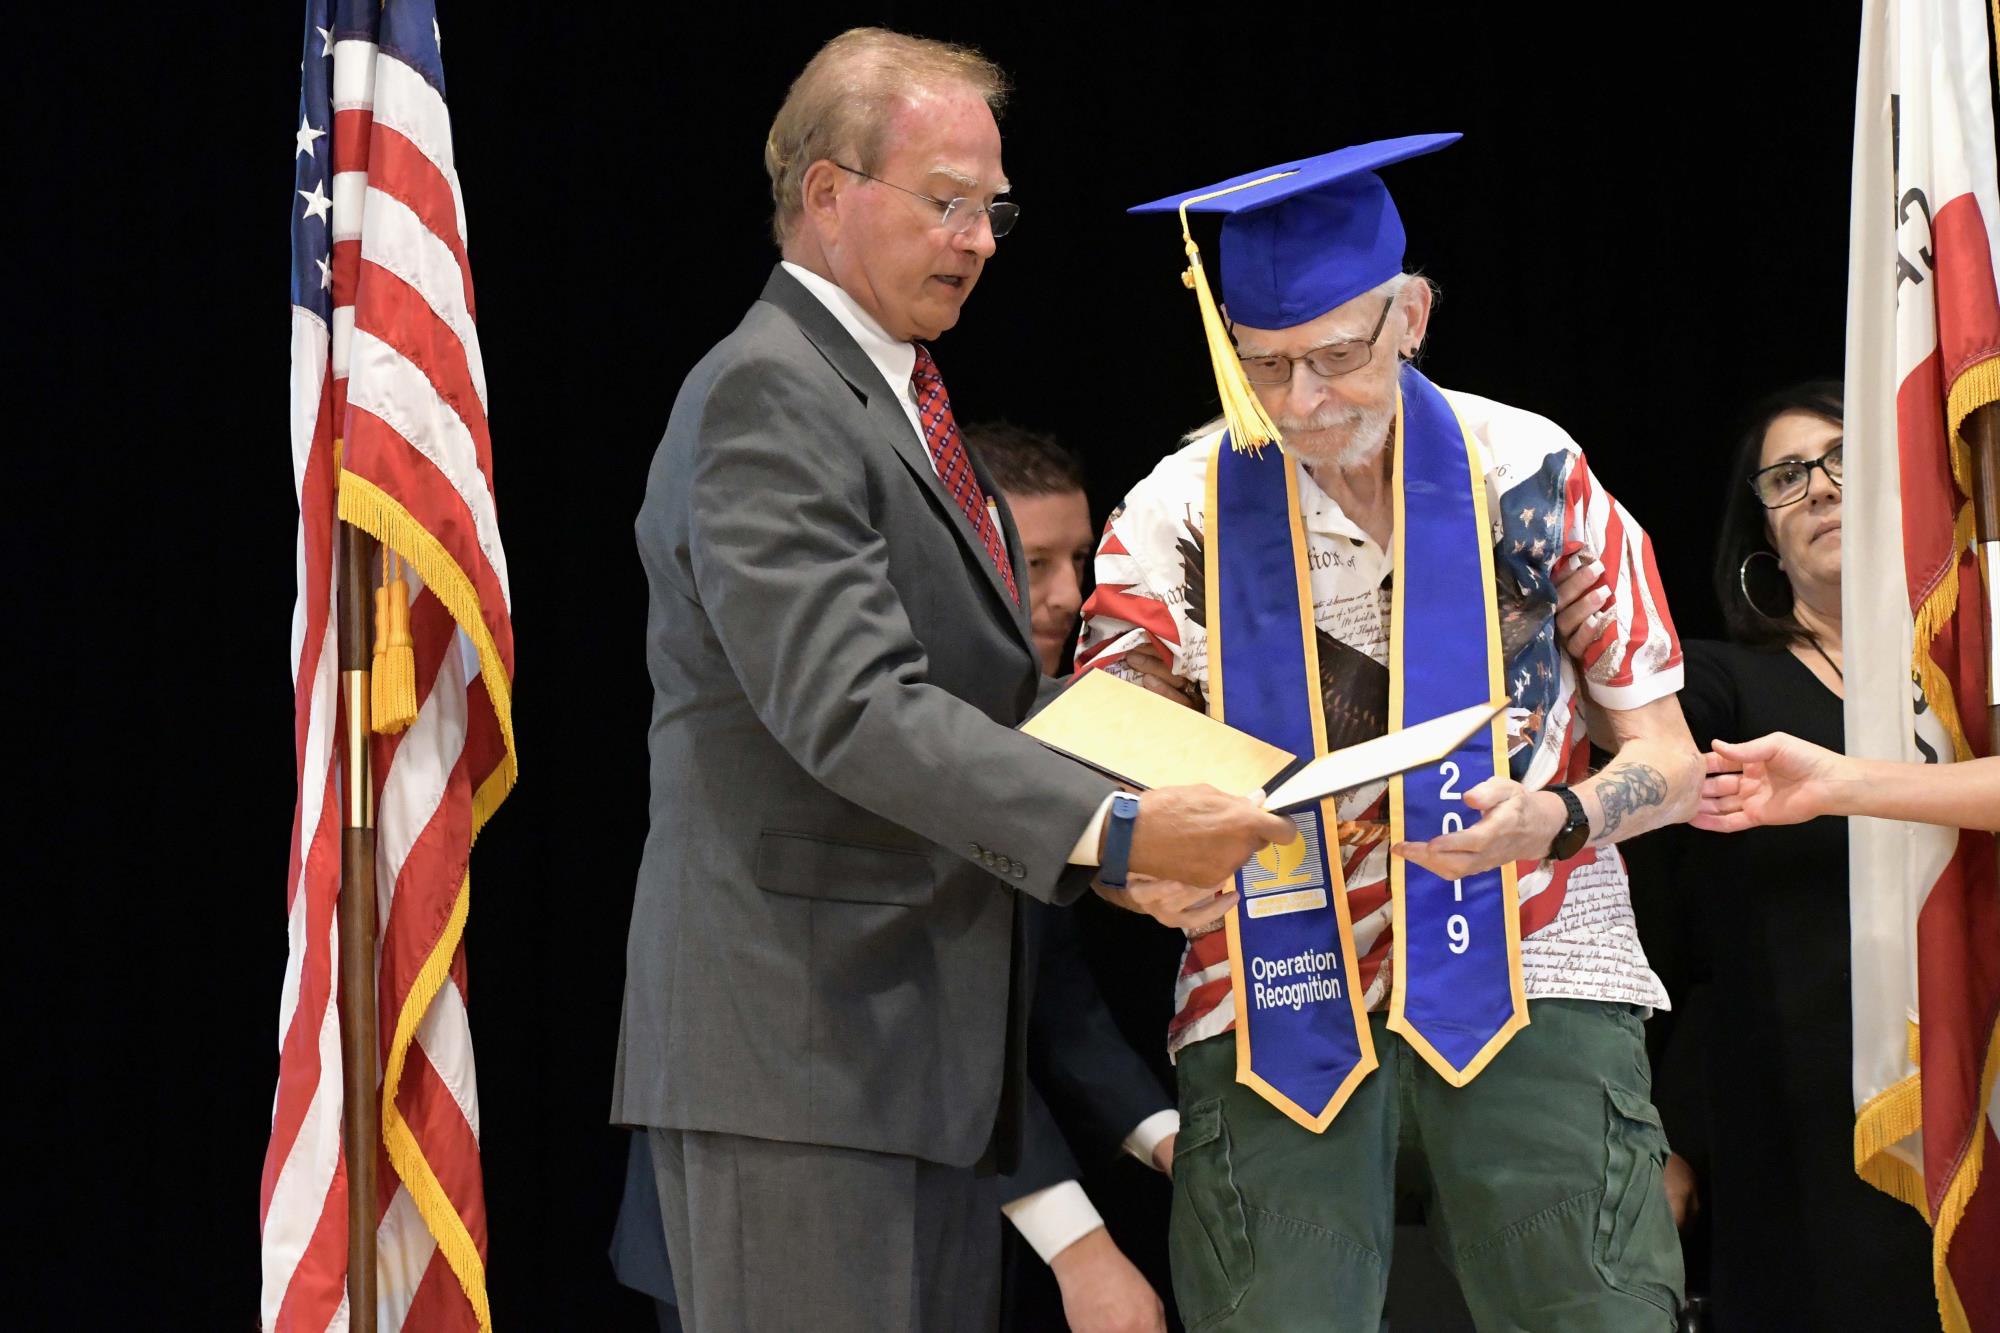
(1515, 824)
(1155, 667)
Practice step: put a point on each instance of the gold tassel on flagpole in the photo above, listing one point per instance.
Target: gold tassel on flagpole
(378, 669)
(394, 679)
(1250, 426)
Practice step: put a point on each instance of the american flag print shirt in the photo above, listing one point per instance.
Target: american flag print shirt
(1578, 935)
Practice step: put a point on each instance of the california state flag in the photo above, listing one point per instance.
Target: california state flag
(1923, 353)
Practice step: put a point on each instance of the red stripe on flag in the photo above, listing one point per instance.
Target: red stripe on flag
(1930, 497)
(485, 747)
(346, 270)
(399, 168)
(1968, 306)
(350, 139)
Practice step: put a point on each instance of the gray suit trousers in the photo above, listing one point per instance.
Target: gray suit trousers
(771, 1237)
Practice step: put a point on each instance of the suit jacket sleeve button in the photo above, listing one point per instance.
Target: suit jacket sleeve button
(974, 849)
(1020, 871)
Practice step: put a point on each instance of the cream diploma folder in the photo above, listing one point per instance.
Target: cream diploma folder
(1143, 740)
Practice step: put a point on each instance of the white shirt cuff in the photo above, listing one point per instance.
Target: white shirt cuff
(1146, 1137)
(1053, 1219)
(1085, 851)
(1640, 692)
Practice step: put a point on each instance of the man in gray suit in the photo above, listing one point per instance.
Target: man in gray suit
(825, 986)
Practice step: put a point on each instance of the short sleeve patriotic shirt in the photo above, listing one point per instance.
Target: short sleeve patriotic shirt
(1578, 936)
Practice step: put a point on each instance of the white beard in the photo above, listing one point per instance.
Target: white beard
(1341, 437)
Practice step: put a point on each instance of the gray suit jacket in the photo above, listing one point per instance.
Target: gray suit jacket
(823, 944)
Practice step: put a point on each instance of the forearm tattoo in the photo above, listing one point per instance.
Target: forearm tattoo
(1624, 788)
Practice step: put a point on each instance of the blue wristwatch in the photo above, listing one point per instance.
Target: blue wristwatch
(1118, 839)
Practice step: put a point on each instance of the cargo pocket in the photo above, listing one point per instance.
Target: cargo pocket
(1637, 1248)
(1208, 1237)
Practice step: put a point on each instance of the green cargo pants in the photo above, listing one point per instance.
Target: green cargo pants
(1544, 1175)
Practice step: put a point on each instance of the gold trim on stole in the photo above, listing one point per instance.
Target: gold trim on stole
(1329, 814)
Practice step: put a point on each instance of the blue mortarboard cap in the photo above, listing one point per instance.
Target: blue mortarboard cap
(1321, 233)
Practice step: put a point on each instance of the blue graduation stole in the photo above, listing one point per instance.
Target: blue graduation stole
(1302, 1035)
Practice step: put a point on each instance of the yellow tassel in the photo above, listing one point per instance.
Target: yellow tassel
(1250, 426)
(395, 684)
(378, 669)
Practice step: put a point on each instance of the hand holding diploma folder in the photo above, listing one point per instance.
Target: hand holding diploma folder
(1140, 739)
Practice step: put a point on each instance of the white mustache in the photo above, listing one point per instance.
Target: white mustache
(1365, 431)
(1332, 416)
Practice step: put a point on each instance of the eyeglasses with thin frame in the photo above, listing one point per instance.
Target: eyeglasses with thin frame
(1786, 483)
(1328, 362)
(956, 215)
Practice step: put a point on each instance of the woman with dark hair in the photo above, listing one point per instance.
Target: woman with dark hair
(1797, 1240)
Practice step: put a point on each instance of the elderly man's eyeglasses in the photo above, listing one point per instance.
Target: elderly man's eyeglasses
(1786, 483)
(956, 215)
(1335, 359)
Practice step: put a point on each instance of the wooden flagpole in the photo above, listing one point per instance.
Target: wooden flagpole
(360, 1047)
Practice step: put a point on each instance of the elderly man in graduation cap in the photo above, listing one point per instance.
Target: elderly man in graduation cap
(1447, 960)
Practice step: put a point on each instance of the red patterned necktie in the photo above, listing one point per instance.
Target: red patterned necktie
(954, 467)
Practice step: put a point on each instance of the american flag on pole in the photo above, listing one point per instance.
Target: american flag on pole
(389, 433)
(1923, 353)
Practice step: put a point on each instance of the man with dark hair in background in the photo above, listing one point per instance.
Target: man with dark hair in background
(1043, 483)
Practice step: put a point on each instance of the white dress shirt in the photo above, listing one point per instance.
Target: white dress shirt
(897, 360)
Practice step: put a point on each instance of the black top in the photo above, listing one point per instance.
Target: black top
(1756, 1082)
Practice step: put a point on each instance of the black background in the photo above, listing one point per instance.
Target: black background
(1643, 230)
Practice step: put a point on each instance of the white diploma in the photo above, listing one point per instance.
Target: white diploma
(1385, 756)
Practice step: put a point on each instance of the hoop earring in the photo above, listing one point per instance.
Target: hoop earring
(1743, 582)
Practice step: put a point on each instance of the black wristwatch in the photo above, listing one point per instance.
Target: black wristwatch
(1576, 825)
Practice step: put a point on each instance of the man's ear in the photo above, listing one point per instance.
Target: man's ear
(1415, 300)
(819, 193)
